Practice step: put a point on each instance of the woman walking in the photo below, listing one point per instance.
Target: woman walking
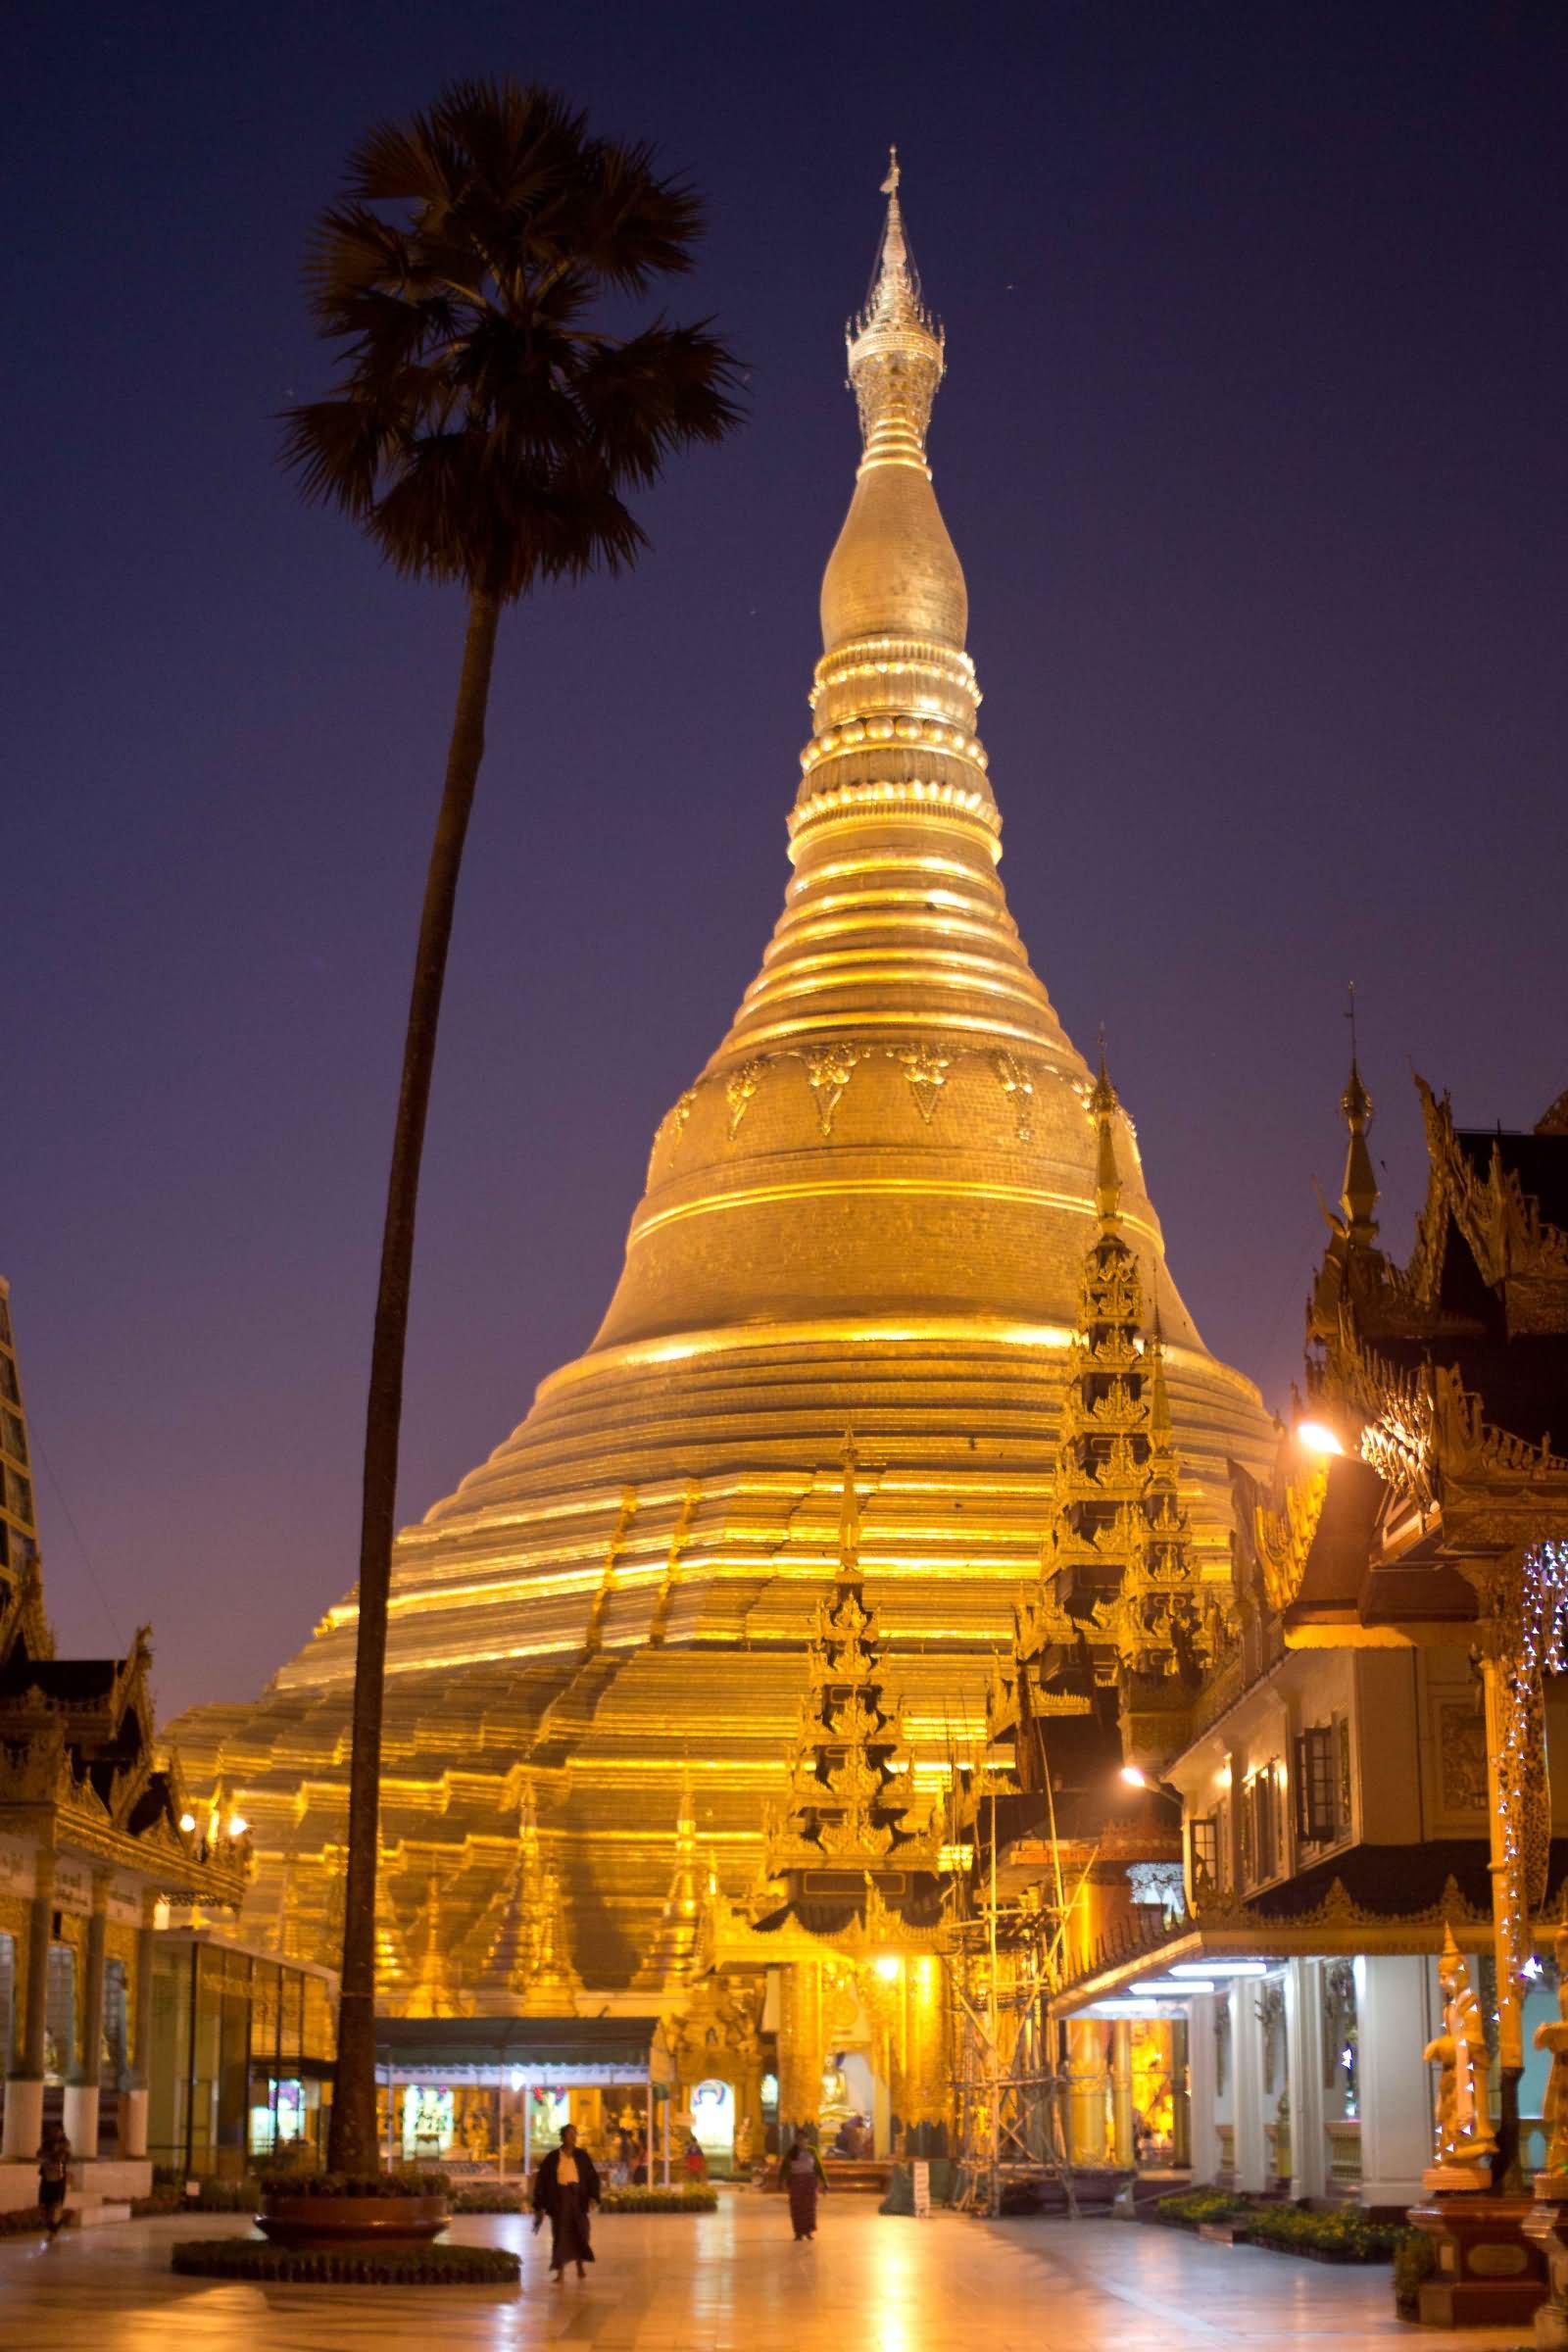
(565, 2184)
(801, 2171)
(54, 2163)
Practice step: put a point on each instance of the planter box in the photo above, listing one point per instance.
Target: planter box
(351, 2221)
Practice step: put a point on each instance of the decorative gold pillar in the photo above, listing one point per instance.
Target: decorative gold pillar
(925, 2091)
(1121, 2092)
(1086, 2098)
(801, 2050)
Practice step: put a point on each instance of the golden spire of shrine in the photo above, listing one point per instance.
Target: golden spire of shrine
(1160, 1430)
(670, 1957)
(894, 572)
(849, 1805)
(850, 1512)
(1358, 1195)
(1105, 1103)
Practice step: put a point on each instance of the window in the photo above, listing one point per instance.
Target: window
(1342, 1745)
(1317, 1813)
(1261, 1820)
(1202, 1854)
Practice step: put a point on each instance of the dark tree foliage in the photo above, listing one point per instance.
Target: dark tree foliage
(486, 429)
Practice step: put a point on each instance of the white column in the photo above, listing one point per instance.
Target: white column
(1304, 2043)
(1393, 2012)
(1247, 2096)
(1200, 2087)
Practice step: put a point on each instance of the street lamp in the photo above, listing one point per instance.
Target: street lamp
(1134, 1777)
(1317, 1438)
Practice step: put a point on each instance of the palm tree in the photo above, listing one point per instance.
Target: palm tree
(483, 432)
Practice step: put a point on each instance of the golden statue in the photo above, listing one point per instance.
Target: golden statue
(1555, 2037)
(1464, 2129)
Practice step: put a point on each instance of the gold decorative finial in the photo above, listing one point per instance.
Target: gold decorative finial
(895, 348)
(1360, 1195)
(1161, 1430)
(1104, 1103)
(849, 1511)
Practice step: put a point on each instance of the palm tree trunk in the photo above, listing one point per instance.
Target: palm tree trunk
(352, 2142)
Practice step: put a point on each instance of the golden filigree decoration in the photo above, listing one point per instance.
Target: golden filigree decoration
(1284, 1538)
(739, 1087)
(829, 1071)
(926, 1069)
(1013, 1077)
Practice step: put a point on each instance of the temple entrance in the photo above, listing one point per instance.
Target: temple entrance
(714, 2123)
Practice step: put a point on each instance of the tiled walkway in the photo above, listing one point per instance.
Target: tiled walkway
(733, 2278)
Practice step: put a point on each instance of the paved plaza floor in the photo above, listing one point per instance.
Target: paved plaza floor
(734, 2279)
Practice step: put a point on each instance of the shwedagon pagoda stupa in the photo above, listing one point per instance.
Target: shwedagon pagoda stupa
(870, 1210)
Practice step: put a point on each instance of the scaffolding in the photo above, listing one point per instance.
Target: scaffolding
(1011, 2085)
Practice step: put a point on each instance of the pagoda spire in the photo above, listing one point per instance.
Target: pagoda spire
(896, 349)
(1105, 1103)
(894, 572)
(1358, 1196)
(849, 1807)
(850, 1512)
(669, 1959)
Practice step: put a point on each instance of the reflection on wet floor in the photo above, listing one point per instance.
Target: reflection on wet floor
(731, 2281)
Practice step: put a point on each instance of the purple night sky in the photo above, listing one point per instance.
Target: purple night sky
(1253, 445)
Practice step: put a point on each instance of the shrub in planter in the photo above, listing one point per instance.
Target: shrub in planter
(1189, 2207)
(346, 2266)
(661, 2200)
(327, 2209)
(354, 2184)
(1415, 2258)
(494, 2200)
(23, 2221)
(1340, 2236)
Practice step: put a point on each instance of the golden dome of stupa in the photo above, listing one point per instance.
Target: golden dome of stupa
(871, 1208)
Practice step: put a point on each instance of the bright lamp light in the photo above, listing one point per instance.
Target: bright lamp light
(1317, 1438)
(1135, 1775)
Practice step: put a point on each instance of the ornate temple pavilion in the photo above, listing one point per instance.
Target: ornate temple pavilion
(870, 1209)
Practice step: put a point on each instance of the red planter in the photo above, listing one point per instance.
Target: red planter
(351, 2221)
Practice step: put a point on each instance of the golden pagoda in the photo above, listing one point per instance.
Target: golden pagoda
(870, 1208)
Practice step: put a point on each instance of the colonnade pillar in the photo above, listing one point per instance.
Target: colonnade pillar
(25, 2090)
(133, 2102)
(1394, 2021)
(1304, 2056)
(1252, 2170)
(82, 2089)
(1203, 2089)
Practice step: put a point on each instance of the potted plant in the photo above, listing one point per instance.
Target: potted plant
(339, 2209)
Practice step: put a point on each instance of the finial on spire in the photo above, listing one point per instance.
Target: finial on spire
(895, 345)
(849, 1511)
(1360, 1195)
(1104, 1103)
(1160, 1428)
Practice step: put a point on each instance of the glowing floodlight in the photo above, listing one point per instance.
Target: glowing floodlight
(1317, 1438)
